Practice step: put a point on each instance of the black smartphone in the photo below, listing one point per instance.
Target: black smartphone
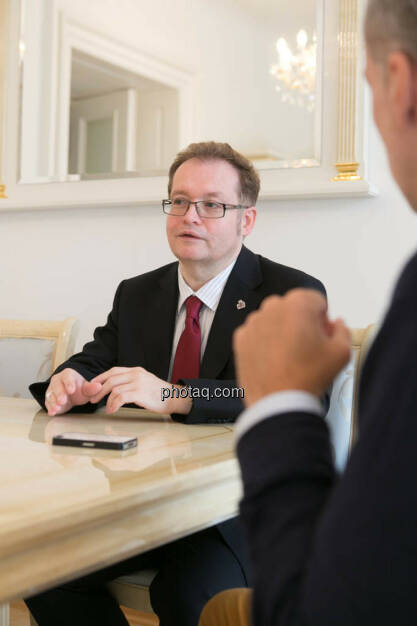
(87, 440)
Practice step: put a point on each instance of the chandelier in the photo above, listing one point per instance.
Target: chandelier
(295, 72)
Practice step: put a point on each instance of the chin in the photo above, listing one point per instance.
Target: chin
(188, 250)
(189, 255)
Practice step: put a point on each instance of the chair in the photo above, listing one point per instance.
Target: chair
(133, 592)
(342, 414)
(43, 345)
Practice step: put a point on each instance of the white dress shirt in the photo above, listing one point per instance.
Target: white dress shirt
(275, 403)
(209, 294)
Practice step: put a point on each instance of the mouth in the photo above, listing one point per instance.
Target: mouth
(187, 235)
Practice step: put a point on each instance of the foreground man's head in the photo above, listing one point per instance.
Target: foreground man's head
(391, 38)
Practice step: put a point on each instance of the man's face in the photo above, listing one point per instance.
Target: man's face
(377, 81)
(214, 242)
(391, 81)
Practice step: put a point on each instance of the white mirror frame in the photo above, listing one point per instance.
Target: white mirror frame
(344, 118)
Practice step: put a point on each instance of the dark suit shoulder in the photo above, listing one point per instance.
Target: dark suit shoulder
(152, 278)
(289, 277)
(407, 282)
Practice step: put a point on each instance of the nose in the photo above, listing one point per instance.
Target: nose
(192, 215)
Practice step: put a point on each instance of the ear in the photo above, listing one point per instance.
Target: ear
(412, 113)
(402, 89)
(248, 220)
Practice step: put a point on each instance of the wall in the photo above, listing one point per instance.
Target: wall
(69, 262)
(59, 263)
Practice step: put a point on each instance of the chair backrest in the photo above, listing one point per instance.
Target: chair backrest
(342, 414)
(31, 350)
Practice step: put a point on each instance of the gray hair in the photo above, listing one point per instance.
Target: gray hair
(391, 25)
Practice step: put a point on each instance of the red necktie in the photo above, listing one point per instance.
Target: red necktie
(187, 355)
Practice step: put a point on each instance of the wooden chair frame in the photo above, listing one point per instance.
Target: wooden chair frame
(63, 333)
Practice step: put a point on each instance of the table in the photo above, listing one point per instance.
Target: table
(65, 512)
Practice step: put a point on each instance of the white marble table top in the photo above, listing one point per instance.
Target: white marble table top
(65, 512)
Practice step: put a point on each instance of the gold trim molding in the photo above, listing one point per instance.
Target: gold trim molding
(4, 42)
(347, 164)
(347, 171)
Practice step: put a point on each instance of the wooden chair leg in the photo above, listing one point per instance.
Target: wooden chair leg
(228, 608)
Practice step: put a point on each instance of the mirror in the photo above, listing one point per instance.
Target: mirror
(101, 95)
(115, 89)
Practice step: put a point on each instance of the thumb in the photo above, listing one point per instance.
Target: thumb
(90, 389)
(340, 343)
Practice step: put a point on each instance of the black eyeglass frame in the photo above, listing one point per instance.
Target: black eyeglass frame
(166, 203)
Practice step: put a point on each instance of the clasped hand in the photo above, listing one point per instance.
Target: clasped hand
(290, 343)
(123, 385)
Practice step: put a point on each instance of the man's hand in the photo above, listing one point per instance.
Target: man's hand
(290, 343)
(68, 389)
(136, 385)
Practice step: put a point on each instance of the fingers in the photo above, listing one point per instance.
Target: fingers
(53, 405)
(96, 391)
(102, 378)
(120, 396)
(306, 298)
(69, 378)
(91, 390)
(58, 397)
(290, 343)
(340, 343)
(58, 389)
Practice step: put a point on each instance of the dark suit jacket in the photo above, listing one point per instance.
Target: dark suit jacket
(342, 553)
(140, 329)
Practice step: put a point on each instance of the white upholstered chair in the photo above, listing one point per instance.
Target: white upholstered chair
(342, 414)
(30, 351)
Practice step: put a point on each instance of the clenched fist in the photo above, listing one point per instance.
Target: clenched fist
(288, 344)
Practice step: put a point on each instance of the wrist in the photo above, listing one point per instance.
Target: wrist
(181, 404)
(254, 396)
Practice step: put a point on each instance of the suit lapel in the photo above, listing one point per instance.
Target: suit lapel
(244, 278)
(158, 330)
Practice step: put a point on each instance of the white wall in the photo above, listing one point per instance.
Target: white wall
(69, 262)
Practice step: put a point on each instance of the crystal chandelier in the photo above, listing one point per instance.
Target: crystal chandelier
(295, 72)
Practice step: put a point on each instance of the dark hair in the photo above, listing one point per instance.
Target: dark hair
(212, 150)
(392, 25)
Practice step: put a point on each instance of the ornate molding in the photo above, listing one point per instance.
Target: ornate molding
(347, 164)
(4, 43)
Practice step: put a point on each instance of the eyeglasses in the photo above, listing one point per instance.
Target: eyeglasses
(204, 208)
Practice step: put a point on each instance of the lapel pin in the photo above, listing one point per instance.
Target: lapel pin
(241, 304)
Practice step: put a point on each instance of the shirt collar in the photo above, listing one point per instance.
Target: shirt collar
(209, 294)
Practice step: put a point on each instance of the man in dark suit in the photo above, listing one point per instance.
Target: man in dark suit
(327, 551)
(171, 329)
